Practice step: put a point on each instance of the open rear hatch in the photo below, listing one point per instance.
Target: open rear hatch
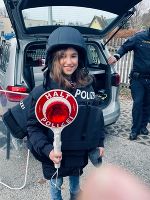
(37, 17)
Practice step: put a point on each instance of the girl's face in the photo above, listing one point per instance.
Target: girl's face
(69, 61)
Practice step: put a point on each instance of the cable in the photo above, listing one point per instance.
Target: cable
(25, 179)
(55, 184)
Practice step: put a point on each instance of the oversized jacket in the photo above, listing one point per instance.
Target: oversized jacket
(140, 44)
(85, 133)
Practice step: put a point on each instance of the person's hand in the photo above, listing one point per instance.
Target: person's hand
(112, 60)
(56, 157)
(113, 183)
(101, 151)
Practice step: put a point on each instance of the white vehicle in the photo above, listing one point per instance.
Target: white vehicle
(33, 21)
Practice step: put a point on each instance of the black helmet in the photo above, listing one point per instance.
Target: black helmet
(63, 37)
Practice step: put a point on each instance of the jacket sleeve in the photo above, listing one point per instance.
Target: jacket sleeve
(101, 131)
(129, 45)
(37, 134)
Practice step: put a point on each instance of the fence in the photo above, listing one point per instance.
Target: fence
(124, 65)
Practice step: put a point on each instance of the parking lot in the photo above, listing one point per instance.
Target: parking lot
(132, 155)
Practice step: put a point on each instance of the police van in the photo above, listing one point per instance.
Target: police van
(33, 21)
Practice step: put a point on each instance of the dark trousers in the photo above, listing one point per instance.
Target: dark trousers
(140, 91)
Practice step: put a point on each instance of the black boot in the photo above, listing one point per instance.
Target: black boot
(144, 131)
(133, 136)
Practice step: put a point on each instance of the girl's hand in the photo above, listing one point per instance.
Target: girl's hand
(56, 157)
(101, 151)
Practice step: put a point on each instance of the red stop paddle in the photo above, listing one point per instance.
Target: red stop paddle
(56, 109)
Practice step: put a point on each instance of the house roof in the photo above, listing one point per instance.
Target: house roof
(101, 20)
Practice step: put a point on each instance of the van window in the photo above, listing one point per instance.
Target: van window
(93, 54)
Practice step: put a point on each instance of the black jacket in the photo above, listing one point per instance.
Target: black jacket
(85, 133)
(140, 44)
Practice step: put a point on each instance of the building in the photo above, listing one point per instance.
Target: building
(5, 25)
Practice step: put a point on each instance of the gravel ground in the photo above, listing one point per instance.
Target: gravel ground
(131, 155)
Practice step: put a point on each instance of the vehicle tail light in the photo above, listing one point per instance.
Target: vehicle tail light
(115, 79)
(15, 93)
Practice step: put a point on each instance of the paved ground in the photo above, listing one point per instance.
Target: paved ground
(132, 155)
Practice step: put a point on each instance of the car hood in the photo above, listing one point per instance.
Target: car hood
(26, 27)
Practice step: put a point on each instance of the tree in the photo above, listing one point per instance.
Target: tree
(136, 19)
(146, 19)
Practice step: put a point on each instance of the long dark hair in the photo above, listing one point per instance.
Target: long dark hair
(80, 76)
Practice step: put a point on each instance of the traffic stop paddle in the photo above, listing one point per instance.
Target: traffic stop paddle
(56, 109)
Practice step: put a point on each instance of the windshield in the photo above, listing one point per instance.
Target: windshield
(67, 15)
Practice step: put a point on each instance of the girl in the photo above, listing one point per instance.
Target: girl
(66, 62)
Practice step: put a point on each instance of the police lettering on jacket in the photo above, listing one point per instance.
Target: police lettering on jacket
(84, 94)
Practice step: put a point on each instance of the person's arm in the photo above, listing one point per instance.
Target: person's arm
(37, 134)
(129, 45)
